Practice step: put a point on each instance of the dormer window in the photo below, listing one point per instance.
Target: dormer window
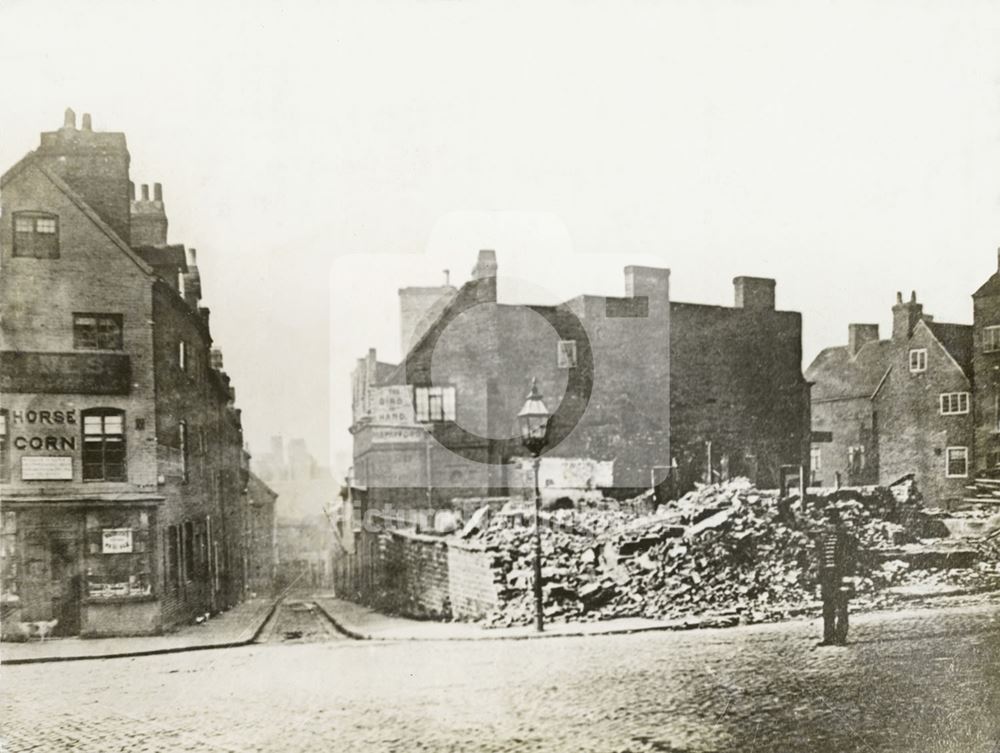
(918, 360)
(36, 235)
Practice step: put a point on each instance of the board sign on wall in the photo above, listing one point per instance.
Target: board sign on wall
(46, 468)
(116, 541)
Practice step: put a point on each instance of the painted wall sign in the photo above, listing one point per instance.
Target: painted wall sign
(393, 406)
(392, 434)
(116, 541)
(46, 468)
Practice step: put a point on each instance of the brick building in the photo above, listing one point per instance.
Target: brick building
(643, 390)
(122, 470)
(886, 408)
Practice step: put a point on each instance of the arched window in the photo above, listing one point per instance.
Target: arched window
(103, 445)
(36, 234)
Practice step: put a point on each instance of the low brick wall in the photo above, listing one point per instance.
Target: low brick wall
(429, 576)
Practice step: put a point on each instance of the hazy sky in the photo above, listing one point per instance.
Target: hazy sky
(320, 155)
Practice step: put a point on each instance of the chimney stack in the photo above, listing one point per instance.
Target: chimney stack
(86, 122)
(158, 192)
(131, 191)
(69, 119)
(859, 335)
(905, 316)
(485, 275)
(755, 293)
(145, 192)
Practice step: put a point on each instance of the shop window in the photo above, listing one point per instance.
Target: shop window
(97, 331)
(918, 360)
(104, 445)
(434, 403)
(36, 235)
(4, 448)
(182, 445)
(957, 462)
(991, 339)
(954, 403)
(119, 555)
(566, 354)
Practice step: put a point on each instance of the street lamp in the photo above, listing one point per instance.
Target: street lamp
(533, 420)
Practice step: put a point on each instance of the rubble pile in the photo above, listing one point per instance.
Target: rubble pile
(728, 550)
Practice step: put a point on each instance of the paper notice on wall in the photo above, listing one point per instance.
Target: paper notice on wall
(116, 541)
(46, 468)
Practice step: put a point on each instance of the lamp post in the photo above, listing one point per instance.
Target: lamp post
(533, 421)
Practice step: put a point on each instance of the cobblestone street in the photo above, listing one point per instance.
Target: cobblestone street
(913, 681)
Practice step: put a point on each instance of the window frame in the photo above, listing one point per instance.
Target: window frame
(182, 355)
(118, 322)
(26, 244)
(991, 338)
(921, 354)
(440, 398)
(183, 448)
(958, 397)
(103, 414)
(4, 445)
(947, 461)
(564, 359)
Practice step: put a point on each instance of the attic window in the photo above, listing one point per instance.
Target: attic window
(918, 360)
(36, 235)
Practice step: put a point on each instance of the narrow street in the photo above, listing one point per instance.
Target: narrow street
(926, 681)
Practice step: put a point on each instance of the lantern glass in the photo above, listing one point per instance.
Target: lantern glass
(533, 421)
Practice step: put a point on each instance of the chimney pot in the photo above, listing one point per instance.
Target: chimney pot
(86, 121)
(158, 191)
(913, 296)
(145, 192)
(899, 297)
(131, 190)
(69, 118)
(193, 253)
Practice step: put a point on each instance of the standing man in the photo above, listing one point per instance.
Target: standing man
(836, 553)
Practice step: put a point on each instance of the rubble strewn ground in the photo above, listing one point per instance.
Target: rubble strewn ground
(728, 551)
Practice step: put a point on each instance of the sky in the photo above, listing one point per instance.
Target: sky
(321, 155)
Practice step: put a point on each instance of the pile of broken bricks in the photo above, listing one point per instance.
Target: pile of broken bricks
(728, 551)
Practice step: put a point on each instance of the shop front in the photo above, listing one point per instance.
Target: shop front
(79, 568)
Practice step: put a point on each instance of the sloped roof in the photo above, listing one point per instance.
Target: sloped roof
(837, 376)
(990, 287)
(957, 340)
(164, 256)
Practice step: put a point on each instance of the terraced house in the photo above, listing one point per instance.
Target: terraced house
(123, 469)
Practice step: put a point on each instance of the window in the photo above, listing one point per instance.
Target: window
(957, 462)
(97, 331)
(36, 235)
(918, 360)
(954, 403)
(435, 403)
(815, 459)
(182, 359)
(173, 546)
(855, 459)
(4, 448)
(566, 354)
(991, 339)
(188, 550)
(103, 445)
(182, 445)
